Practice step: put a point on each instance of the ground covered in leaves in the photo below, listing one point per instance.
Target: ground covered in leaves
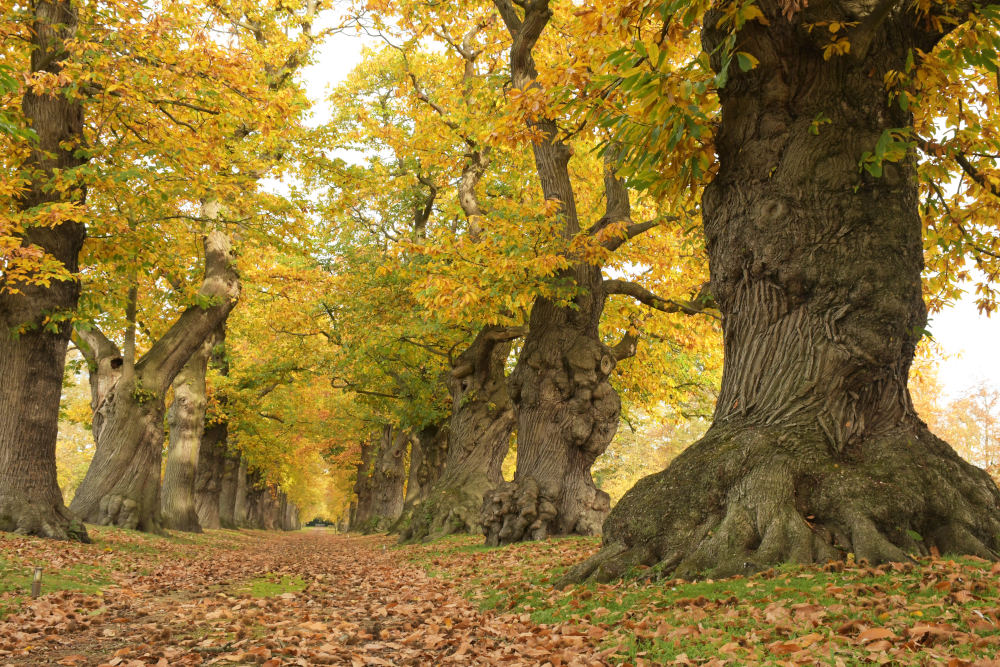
(314, 597)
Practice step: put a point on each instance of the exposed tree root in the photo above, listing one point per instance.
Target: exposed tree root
(54, 521)
(744, 499)
(449, 510)
(527, 510)
(125, 512)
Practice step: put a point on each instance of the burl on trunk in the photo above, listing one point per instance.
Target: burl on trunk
(815, 451)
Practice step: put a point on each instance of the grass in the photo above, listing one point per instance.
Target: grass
(89, 568)
(271, 585)
(16, 576)
(935, 610)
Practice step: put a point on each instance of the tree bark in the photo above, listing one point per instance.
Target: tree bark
(815, 451)
(363, 487)
(207, 485)
(186, 424)
(34, 319)
(228, 491)
(482, 420)
(241, 506)
(428, 450)
(122, 485)
(388, 478)
(567, 414)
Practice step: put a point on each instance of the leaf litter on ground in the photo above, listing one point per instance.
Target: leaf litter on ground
(315, 597)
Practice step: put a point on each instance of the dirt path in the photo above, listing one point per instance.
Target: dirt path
(347, 600)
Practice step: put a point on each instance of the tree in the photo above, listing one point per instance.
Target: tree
(972, 422)
(38, 292)
(122, 486)
(490, 244)
(567, 410)
(813, 227)
(482, 421)
(186, 425)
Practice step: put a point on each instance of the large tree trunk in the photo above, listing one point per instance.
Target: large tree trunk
(208, 484)
(815, 451)
(34, 319)
(567, 414)
(122, 485)
(186, 424)
(482, 421)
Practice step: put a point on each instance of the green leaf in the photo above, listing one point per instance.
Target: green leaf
(746, 61)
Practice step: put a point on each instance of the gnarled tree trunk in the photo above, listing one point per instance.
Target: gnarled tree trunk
(122, 485)
(567, 414)
(33, 348)
(815, 451)
(186, 424)
(427, 460)
(388, 478)
(428, 449)
(482, 420)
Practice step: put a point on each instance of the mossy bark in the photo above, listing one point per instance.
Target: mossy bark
(482, 420)
(815, 451)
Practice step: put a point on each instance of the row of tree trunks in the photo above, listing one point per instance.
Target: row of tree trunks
(122, 485)
(481, 424)
(33, 349)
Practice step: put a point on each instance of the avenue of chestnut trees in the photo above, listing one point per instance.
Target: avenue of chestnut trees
(523, 224)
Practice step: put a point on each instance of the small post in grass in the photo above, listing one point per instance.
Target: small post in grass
(36, 583)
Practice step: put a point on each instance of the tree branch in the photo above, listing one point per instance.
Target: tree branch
(220, 288)
(696, 306)
(861, 38)
(628, 345)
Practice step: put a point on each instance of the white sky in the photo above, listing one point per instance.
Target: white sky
(969, 340)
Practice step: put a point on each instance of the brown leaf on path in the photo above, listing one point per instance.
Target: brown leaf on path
(874, 634)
